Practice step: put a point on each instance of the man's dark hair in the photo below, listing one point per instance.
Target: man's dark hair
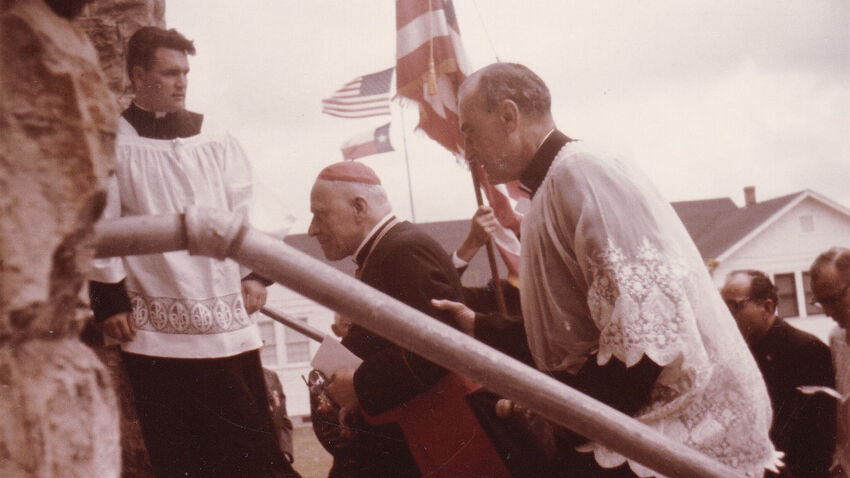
(68, 9)
(839, 257)
(512, 81)
(761, 287)
(143, 44)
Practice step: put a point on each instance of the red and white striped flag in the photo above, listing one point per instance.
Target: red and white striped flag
(430, 66)
(362, 97)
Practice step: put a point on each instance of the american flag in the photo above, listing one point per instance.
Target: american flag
(362, 97)
(430, 66)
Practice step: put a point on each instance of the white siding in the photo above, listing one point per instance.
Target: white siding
(785, 247)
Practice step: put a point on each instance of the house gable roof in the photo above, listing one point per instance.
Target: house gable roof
(716, 225)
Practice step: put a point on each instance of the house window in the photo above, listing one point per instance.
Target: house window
(297, 344)
(807, 288)
(787, 292)
(268, 354)
(807, 223)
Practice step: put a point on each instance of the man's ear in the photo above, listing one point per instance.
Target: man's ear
(137, 76)
(360, 206)
(769, 306)
(509, 115)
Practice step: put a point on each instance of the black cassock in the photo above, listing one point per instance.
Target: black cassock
(410, 266)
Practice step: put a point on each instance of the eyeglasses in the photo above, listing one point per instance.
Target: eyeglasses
(735, 306)
(829, 301)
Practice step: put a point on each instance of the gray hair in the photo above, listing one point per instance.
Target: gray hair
(375, 194)
(515, 82)
(838, 256)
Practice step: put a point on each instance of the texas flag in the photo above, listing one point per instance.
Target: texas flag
(371, 142)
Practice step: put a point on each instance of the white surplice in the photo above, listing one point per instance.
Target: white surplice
(183, 306)
(609, 269)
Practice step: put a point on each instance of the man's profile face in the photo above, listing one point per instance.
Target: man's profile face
(833, 295)
(485, 138)
(162, 86)
(748, 314)
(334, 222)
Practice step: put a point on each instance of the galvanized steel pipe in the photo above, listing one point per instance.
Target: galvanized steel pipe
(427, 337)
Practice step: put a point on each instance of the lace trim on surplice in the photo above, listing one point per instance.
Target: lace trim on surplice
(186, 316)
(643, 303)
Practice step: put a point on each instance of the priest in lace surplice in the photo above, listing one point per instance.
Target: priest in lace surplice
(616, 299)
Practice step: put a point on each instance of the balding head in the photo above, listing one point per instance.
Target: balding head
(344, 210)
(752, 299)
(511, 81)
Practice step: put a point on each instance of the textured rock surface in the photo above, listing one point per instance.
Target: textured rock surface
(58, 413)
(109, 24)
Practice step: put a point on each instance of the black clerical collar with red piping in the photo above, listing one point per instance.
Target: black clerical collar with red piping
(366, 249)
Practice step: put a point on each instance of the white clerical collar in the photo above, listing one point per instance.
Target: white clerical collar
(540, 144)
(156, 114)
(389, 217)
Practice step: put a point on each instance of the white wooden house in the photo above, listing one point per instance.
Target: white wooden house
(780, 236)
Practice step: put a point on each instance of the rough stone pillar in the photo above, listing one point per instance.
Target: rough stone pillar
(110, 24)
(58, 412)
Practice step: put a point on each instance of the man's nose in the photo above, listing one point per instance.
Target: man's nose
(313, 229)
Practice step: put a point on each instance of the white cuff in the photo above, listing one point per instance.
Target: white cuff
(457, 261)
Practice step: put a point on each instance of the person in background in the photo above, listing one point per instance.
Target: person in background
(505, 333)
(803, 425)
(277, 405)
(189, 344)
(830, 274)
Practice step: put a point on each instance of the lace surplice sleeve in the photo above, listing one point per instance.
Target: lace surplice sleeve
(634, 275)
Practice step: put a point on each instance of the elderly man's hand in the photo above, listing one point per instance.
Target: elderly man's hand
(464, 316)
(253, 294)
(120, 327)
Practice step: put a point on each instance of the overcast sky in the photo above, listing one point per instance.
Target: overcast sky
(706, 96)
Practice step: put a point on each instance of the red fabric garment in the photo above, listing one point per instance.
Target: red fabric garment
(435, 446)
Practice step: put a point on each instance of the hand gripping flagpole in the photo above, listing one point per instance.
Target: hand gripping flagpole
(491, 252)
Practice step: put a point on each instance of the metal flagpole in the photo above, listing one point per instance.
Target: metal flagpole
(407, 164)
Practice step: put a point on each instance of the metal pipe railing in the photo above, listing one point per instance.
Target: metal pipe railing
(419, 333)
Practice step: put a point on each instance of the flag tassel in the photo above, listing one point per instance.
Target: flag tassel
(432, 78)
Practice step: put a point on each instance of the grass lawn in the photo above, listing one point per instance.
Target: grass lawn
(311, 460)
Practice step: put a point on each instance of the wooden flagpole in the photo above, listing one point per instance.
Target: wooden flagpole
(491, 252)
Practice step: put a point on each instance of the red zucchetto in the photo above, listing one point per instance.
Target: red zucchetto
(350, 171)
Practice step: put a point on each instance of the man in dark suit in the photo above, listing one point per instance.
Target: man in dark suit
(353, 217)
(803, 425)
